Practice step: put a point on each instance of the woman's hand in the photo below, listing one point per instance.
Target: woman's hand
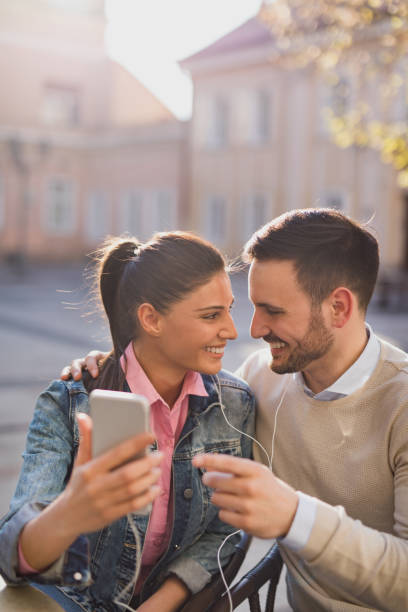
(102, 490)
(168, 598)
(99, 491)
(90, 363)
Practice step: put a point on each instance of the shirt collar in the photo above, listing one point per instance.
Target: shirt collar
(356, 375)
(139, 382)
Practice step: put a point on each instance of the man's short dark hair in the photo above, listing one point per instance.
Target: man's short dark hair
(328, 250)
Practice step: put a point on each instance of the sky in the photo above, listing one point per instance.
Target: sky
(149, 36)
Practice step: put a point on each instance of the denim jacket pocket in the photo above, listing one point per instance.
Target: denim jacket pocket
(97, 542)
(226, 447)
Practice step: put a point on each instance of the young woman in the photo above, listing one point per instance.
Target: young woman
(70, 528)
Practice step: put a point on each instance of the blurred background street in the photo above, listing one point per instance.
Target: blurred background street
(46, 320)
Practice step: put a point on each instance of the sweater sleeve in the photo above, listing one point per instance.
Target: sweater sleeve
(356, 563)
(353, 562)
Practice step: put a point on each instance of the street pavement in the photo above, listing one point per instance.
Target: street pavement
(46, 319)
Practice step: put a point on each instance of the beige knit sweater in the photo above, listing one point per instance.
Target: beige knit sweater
(351, 454)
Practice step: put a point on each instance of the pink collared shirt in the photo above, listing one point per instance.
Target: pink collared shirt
(166, 424)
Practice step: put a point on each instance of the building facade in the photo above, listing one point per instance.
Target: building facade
(260, 146)
(85, 149)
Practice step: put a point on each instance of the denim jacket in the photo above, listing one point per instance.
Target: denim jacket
(97, 566)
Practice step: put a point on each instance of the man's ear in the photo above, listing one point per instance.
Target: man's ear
(149, 319)
(342, 304)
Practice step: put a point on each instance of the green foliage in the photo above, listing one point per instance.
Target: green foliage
(360, 48)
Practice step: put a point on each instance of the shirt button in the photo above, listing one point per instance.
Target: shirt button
(77, 576)
(188, 493)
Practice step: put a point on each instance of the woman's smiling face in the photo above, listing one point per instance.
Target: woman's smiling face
(195, 330)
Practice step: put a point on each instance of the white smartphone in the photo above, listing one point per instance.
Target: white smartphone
(116, 417)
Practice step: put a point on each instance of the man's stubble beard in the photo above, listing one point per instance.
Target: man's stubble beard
(315, 344)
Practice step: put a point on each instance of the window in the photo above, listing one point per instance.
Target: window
(255, 214)
(215, 220)
(218, 134)
(400, 102)
(335, 199)
(340, 97)
(260, 117)
(97, 222)
(60, 106)
(163, 212)
(333, 100)
(60, 212)
(2, 205)
(132, 218)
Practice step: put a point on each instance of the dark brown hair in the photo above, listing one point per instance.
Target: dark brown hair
(160, 272)
(328, 250)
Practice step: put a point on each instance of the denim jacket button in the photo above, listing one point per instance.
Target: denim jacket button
(176, 546)
(77, 576)
(188, 493)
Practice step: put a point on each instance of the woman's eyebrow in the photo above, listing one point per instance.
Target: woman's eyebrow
(209, 308)
(215, 306)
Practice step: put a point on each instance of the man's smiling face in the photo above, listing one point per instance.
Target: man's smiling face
(285, 317)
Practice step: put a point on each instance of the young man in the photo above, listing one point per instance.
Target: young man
(333, 412)
(332, 420)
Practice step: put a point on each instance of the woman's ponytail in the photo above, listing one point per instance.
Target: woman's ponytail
(114, 256)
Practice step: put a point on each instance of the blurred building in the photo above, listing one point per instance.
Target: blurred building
(259, 146)
(85, 149)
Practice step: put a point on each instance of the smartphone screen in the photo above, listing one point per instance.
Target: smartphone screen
(116, 417)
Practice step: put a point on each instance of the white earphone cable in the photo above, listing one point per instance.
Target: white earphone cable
(133, 581)
(136, 534)
(269, 458)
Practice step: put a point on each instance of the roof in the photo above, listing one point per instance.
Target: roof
(252, 33)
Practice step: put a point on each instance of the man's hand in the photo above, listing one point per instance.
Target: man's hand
(250, 497)
(90, 363)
